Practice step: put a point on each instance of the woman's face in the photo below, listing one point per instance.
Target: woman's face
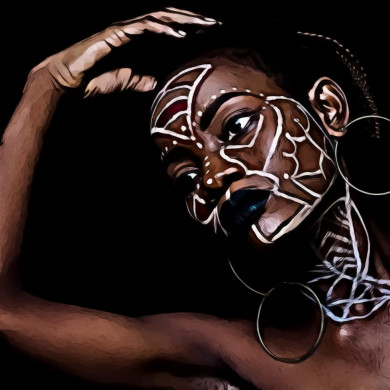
(245, 154)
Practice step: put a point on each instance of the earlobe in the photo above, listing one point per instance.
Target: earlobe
(330, 103)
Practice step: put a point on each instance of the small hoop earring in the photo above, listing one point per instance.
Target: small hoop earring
(267, 295)
(320, 333)
(336, 151)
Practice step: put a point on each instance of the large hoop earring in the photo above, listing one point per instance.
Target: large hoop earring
(320, 333)
(338, 165)
(267, 295)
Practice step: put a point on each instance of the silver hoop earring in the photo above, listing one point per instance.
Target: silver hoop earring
(337, 159)
(306, 290)
(316, 343)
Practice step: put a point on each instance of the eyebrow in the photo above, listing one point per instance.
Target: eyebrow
(212, 109)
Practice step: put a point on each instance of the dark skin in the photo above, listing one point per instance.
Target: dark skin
(117, 349)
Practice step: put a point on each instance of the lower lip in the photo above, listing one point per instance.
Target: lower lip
(241, 211)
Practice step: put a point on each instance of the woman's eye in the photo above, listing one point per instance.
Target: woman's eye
(186, 182)
(237, 126)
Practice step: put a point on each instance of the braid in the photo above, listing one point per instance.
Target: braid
(356, 70)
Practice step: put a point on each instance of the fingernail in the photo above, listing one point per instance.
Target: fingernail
(210, 19)
(220, 23)
(182, 33)
(154, 84)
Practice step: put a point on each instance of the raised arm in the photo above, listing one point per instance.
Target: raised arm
(95, 345)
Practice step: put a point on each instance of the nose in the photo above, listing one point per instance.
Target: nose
(219, 175)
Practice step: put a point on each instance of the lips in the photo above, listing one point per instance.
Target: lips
(242, 209)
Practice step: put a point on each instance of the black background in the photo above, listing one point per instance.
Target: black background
(106, 229)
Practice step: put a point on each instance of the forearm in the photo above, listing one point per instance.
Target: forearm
(19, 152)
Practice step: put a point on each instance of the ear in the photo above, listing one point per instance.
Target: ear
(330, 103)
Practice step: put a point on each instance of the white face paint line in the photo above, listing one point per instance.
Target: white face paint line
(156, 100)
(336, 266)
(290, 197)
(168, 132)
(335, 237)
(176, 99)
(275, 141)
(206, 68)
(259, 235)
(174, 118)
(311, 192)
(166, 88)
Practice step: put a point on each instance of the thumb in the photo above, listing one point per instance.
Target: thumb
(119, 80)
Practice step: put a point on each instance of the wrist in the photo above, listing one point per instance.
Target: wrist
(40, 83)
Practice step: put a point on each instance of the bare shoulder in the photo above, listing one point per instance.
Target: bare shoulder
(232, 344)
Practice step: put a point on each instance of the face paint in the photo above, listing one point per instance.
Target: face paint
(282, 152)
(271, 168)
(177, 101)
(351, 292)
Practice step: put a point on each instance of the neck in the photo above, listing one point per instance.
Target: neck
(352, 277)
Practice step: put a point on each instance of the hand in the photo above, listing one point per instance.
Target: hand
(67, 68)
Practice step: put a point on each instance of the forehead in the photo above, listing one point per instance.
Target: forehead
(178, 107)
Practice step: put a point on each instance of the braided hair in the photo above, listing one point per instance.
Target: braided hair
(356, 70)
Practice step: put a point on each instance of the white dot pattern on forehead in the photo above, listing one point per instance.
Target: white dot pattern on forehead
(222, 91)
(199, 145)
(207, 164)
(286, 175)
(183, 128)
(174, 142)
(209, 181)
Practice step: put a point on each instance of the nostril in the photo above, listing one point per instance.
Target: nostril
(231, 178)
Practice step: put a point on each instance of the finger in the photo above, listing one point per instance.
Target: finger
(189, 13)
(152, 24)
(173, 15)
(119, 80)
(182, 18)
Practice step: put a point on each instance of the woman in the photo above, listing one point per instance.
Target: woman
(254, 159)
